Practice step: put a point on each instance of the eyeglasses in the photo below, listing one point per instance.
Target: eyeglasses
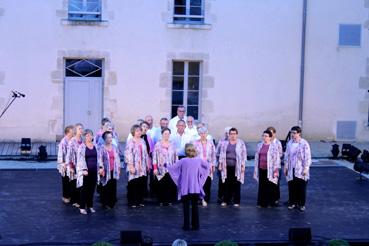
(182, 111)
(293, 132)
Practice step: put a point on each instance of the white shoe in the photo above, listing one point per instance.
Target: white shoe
(236, 205)
(223, 204)
(92, 210)
(66, 200)
(83, 211)
(204, 203)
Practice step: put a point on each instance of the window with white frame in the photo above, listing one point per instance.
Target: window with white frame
(188, 11)
(84, 10)
(349, 35)
(186, 87)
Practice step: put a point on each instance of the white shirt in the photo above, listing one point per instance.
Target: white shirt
(155, 134)
(129, 137)
(180, 142)
(173, 123)
(192, 132)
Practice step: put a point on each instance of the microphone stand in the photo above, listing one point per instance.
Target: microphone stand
(14, 96)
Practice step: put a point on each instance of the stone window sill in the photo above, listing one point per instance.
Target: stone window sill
(68, 22)
(189, 26)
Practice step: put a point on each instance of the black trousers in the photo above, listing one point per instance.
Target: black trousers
(191, 200)
(297, 191)
(268, 191)
(232, 187)
(108, 193)
(75, 192)
(181, 157)
(88, 190)
(153, 183)
(136, 191)
(66, 187)
(220, 187)
(167, 190)
(207, 189)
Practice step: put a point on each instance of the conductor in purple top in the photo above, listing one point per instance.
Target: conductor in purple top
(190, 174)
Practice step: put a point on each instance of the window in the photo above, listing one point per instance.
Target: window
(84, 10)
(349, 35)
(188, 11)
(186, 87)
(83, 68)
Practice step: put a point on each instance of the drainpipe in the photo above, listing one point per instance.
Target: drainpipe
(302, 64)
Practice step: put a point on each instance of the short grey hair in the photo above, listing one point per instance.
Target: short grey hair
(179, 242)
(202, 130)
(76, 126)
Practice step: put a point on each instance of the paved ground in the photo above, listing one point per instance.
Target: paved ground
(31, 212)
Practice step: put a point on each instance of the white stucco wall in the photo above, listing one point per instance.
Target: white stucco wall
(251, 58)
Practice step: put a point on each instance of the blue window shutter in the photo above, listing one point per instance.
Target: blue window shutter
(349, 35)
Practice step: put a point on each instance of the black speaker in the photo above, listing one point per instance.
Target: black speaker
(26, 146)
(131, 238)
(299, 235)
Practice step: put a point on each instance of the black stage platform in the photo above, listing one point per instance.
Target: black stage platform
(31, 212)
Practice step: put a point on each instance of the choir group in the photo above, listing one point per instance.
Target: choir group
(178, 161)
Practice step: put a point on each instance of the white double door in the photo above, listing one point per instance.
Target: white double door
(83, 97)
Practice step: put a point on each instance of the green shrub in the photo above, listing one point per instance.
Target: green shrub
(226, 243)
(337, 242)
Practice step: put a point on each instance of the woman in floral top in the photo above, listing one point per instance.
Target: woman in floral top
(297, 161)
(164, 155)
(136, 158)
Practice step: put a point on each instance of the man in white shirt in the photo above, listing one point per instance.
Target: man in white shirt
(191, 129)
(153, 132)
(181, 115)
(179, 138)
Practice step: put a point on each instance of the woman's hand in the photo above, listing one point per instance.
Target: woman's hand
(305, 173)
(156, 172)
(85, 173)
(132, 169)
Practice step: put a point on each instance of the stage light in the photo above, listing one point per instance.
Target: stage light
(335, 151)
(353, 153)
(42, 153)
(345, 150)
(365, 156)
